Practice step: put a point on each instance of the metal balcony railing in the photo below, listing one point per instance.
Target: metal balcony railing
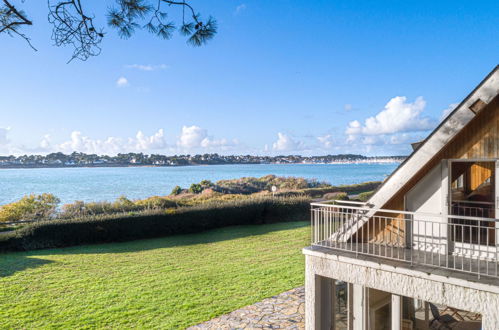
(459, 243)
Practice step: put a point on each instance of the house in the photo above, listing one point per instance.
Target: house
(422, 252)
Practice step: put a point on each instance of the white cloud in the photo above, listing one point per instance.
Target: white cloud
(286, 143)
(195, 137)
(354, 127)
(406, 138)
(45, 143)
(191, 137)
(397, 116)
(153, 142)
(240, 9)
(447, 111)
(81, 143)
(148, 67)
(403, 139)
(122, 82)
(372, 140)
(326, 141)
(348, 107)
(3, 135)
(113, 145)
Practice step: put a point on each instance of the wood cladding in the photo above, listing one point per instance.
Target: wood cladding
(478, 173)
(477, 140)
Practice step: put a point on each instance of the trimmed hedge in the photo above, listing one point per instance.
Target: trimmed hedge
(126, 227)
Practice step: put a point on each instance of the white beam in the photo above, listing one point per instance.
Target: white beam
(396, 312)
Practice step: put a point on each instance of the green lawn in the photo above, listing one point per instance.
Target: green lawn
(170, 282)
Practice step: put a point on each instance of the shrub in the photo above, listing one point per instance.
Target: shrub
(72, 210)
(364, 197)
(149, 224)
(337, 196)
(121, 205)
(206, 183)
(80, 208)
(349, 189)
(176, 190)
(156, 203)
(360, 187)
(250, 185)
(195, 188)
(31, 207)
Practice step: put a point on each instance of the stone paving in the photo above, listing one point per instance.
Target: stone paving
(284, 311)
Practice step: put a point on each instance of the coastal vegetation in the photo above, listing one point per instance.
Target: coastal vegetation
(364, 196)
(46, 206)
(39, 222)
(169, 283)
(32, 207)
(78, 159)
(121, 227)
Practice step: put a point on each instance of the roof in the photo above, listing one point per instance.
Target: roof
(483, 94)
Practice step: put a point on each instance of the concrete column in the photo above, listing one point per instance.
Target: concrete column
(350, 306)
(490, 320)
(318, 301)
(396, 312)
(359, 307)
(310, 299)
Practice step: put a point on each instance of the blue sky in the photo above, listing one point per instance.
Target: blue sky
(281, 77)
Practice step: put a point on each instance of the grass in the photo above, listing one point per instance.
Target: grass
(171, 282)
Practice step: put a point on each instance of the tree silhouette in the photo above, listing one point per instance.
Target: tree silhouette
(74, 27)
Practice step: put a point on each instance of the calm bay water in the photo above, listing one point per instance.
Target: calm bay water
(108, 183)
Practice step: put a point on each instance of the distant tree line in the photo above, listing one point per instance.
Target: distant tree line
(76, 159)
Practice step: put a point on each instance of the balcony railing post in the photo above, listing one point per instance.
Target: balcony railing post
(378, 233)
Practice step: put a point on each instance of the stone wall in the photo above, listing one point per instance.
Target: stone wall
(463, 294)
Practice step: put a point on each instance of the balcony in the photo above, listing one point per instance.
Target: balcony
(456, 243)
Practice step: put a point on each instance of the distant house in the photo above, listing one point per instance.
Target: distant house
(423, 252)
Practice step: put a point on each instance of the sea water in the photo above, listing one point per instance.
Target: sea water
(108, 183)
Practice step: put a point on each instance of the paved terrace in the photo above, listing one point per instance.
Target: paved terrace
(284, 311)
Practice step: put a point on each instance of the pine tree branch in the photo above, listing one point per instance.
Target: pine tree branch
(21, 19)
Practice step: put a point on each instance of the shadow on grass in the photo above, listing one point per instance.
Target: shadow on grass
(17, 262)
(210, 236)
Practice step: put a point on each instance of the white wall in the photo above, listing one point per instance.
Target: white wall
(426, 195)
(429, 196)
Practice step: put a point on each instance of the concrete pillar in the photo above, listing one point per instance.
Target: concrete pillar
(396, 312)
(310, 299)
(359, 307)
(490, 321)
(318, 301)
(350, 306)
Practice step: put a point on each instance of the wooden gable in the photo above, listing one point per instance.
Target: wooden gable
(477, 140)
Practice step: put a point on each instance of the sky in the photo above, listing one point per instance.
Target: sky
(280, 77)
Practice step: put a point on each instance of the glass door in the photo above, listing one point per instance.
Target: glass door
(472, 193)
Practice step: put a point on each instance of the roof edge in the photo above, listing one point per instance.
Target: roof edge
(486, 90)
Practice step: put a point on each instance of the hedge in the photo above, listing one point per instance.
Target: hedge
(126, 227)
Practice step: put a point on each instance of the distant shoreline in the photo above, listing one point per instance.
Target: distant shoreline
(35, 166)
